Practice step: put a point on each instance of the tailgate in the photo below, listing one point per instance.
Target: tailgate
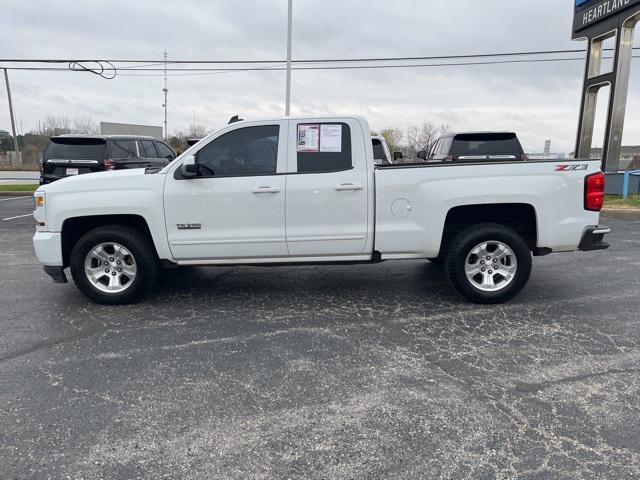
(65, 167)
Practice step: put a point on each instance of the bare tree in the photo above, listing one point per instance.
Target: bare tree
(414, 138)
(419, 138)
(198, 131)
(58, 125)
(393, 136)
(84, 125)
(178, 141)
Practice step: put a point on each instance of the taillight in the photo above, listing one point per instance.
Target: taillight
(594, 192)
(109, 165)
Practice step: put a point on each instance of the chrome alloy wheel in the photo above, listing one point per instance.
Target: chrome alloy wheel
(491, 266)
(110, 267)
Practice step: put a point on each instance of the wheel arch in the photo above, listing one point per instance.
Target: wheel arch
(521, 217)
(75, 227)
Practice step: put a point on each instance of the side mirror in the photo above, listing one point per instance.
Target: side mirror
(397, 156)
(422, 155)
(189, 167)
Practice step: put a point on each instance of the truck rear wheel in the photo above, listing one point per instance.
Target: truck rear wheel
(114, 265)
(488, 263)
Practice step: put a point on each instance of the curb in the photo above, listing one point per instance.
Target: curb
(16, 194)
(623, 212)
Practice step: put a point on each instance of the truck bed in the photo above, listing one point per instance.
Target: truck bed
(414, 200)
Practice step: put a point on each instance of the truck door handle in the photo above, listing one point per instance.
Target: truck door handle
(266, 190)
(346, 187)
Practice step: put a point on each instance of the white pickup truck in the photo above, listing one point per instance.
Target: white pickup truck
(306, 190)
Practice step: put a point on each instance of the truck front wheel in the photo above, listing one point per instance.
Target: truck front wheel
(488, 263)
(114, 265)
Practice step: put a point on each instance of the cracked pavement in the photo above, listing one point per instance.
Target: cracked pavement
(374, 371)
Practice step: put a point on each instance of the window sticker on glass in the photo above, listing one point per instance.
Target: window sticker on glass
(308, 138)
(331, 138)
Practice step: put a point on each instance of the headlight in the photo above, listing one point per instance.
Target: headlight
(39, 199)
(39, 202)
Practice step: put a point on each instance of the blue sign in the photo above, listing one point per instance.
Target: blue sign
(591, 12)
(580, 4)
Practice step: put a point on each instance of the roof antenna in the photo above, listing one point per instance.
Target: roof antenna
(235, 119)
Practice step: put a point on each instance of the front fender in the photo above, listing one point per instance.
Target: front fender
(140, 195)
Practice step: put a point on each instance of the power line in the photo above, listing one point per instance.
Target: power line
(206, 71)
(323, 60)
(104, 68)
(108, 70)
(210, 71)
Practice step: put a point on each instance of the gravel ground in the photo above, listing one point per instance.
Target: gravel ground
(373, 371)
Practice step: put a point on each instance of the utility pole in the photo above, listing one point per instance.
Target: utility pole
(289, 28)
(16, 147)
(165, 90)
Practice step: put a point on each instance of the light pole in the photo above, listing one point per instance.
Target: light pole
(16, 147)
(165, 90)
(289, 28)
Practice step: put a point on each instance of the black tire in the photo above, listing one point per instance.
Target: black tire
(460, 249)
(146, 261)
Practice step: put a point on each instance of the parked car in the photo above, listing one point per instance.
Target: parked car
(306, 190)
(476, 146)
(381, 152)
(70, 155)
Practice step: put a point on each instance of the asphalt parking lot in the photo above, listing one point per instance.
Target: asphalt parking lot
(322, 372)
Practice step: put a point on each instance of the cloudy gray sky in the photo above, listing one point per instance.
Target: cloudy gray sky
(538, 100)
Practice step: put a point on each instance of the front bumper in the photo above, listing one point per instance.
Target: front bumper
(48, 247)
(592, 239)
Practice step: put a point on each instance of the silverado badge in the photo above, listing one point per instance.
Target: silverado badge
(189, 226)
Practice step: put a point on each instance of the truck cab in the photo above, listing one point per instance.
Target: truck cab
(311, 175)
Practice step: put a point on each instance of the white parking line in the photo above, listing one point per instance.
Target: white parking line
(12, 198)
(18, 216)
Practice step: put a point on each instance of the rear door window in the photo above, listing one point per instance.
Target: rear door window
(148, 150)
(123, 149)
(323, 147)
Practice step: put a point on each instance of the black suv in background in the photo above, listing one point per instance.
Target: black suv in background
(476, 147)
(68, 155)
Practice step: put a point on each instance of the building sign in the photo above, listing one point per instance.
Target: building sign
(590, 12)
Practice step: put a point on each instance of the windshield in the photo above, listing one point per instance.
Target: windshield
(76, 148)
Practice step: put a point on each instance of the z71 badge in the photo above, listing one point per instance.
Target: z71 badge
(189, 226)
(571, 168)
